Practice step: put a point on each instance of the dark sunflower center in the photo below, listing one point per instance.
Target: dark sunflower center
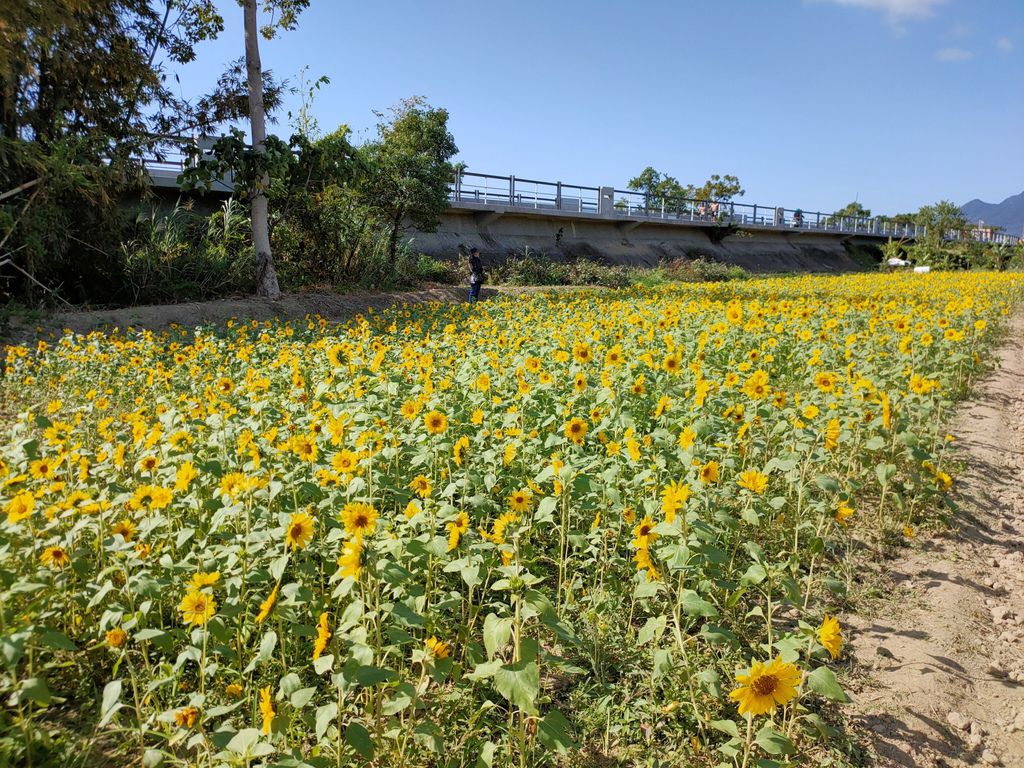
(361, 521)
(765, 685)
(296, 531)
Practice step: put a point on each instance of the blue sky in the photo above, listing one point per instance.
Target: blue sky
(812, 103)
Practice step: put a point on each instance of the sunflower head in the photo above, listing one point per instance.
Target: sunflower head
(300, 530)
(435, 422)
(360, 519)
(766, 686)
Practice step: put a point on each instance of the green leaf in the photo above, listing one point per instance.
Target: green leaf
(555, 732)
(51, 638)
(826, 483)
(876, 443)
(520, 685)
(497, 632)
(484, 671)
(324, 717)
(662, 664)
(694, 605)
(486, 757)
(401, 698)
(290, 683)
(885, 472)
(110, 702)
(242, 742)
(647, 588)
(302, 697)
(755, 575)
(822, 681)
(34, 689)
(430, 736)
(407, 616)
(359, 739)
(773, 742)
(651, 630)
(727, 727)
(324, 664)
(267, 645)
(719, 635)
(368, 675)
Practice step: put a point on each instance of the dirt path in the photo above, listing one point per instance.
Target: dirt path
(945, 681)
(333, 306)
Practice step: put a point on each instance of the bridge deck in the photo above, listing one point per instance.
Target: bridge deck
(490, 197)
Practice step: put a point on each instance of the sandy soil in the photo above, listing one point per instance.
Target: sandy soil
(944, 660)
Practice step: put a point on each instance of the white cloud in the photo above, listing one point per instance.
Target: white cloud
(1004, 44)
(897, 10)
(953, 54)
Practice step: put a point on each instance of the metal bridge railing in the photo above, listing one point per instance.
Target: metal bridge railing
(170, 155)
(488, 189)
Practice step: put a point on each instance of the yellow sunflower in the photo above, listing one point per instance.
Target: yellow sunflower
(323, 635)
(267, 606)
(266, 709)
(421, 486)
(150, 497)
(435, 422)
(359, 519)
(709, 473)
(350, 562)
(197, 608)
(766, 686)
(830, 635)
(752, 480)
(520, 500)
(576, 430)
(300, 530)
(55, 557)
(437, 648)
(20, 507)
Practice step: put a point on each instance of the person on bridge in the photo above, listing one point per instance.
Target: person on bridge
(476, 274)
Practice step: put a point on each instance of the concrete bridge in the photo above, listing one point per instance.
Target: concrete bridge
(504, 215)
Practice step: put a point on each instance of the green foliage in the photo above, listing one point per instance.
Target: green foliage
(182, 255)
(721, 188)
(532, 268)
(853, 210)
(657, 186)
(409, 168)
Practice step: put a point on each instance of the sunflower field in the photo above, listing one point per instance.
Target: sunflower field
(552, 530)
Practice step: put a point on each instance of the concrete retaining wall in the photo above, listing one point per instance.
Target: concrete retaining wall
(498, 236)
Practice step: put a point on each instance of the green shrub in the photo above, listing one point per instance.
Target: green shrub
(183, 255)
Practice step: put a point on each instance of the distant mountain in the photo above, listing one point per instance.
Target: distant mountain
(1008, 214)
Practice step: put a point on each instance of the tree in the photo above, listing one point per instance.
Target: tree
(942, 218)
(657, 187)
(408, 168)
(853, 210)
(719, 188)
(82, 87)
(288, 10)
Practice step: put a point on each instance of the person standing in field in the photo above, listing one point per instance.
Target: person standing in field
(476, 274)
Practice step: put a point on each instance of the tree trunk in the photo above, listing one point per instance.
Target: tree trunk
(266, 277)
